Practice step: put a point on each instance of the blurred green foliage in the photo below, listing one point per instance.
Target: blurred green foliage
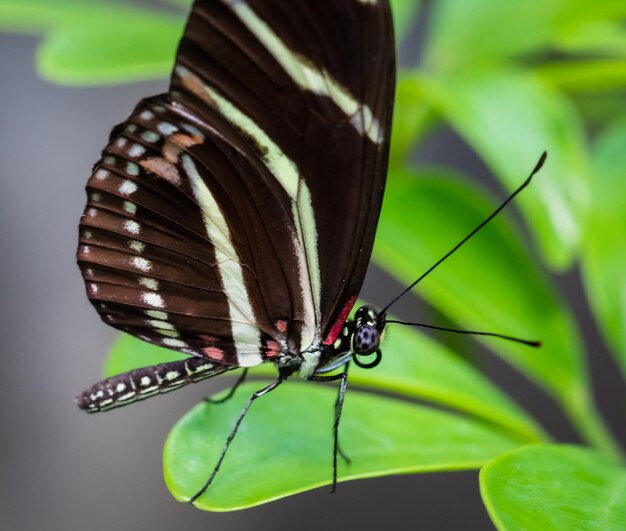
(512, 79)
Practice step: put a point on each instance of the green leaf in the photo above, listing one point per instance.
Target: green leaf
(284, 445)
(118, 48)
(490, 284)
(510, 119)
(87, 42)
(555, 488)
(604, 262)
(484, 31)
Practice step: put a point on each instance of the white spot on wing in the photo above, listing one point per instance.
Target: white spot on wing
(128, 187)
(132, 226)
(153, 299)
(155, 314)
(149, 283)
(176, 343)
(170, 333)
(163, 325)
(130, 207)
(132, 169)
(167, 129)
(137, 246)
(150, 136)
(136, 150)
(141, 263)
(101, 174)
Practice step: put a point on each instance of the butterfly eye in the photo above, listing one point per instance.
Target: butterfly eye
(366, 340)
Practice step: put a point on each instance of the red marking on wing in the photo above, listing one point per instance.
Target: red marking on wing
(336, 328)
(214, 353)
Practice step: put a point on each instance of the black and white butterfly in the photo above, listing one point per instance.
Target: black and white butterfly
(232, 218)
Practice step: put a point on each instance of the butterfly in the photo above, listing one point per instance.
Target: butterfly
(232, 218)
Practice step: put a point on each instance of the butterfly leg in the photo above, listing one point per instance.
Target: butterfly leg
(233, 432)
(232, 391)
(338, 408)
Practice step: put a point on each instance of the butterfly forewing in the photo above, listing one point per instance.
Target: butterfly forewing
(233, 217)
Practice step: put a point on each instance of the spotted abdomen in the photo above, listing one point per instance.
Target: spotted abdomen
(143, 383)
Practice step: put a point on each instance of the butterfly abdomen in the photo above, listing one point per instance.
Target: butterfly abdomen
(143, 383)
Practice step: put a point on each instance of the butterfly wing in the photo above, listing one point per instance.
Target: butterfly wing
(233, 217)
(310, 85)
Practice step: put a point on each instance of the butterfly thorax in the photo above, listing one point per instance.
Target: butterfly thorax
(359, 338)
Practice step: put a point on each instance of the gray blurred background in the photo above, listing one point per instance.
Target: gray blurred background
(64, 470)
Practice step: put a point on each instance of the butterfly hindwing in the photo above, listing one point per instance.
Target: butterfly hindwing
(168, 255)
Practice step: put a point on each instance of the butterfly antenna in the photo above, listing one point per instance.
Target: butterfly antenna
(542, 159)
(526, 342)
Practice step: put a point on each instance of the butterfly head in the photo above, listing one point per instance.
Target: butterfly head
(369, 327)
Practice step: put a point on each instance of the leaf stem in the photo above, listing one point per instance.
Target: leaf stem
(584, 414)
